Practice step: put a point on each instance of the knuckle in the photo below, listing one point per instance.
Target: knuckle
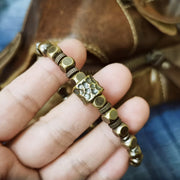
(81, 168)
(60, 136)
(24, 100)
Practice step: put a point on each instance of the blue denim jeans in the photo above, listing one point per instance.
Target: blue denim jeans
(160, 137)
(160, 142)
(12, 13)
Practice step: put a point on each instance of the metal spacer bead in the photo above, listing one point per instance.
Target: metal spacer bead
(72, 72)
(59, 58)
(130, 143)
(105, 108)
(115, 124)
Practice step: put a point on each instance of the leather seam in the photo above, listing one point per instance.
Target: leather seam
(132, 26)
(163, 89)
(131, 4)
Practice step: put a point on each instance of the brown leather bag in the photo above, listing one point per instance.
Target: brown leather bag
(112, 31)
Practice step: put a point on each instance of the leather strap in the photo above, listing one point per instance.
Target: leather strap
(166, 67)
(132, 26)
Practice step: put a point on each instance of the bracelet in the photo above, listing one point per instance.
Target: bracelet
(89, 91)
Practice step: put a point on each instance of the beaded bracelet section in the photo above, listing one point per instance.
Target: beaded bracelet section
(89, 91)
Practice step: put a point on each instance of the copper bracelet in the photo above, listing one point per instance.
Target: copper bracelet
(89, 91)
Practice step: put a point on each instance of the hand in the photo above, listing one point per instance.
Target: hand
(47, 149)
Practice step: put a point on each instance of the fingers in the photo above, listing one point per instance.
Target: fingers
(137, 117)
(93, 150)
(116, 165)
(56, 131)
(113, 168)
(22, 98)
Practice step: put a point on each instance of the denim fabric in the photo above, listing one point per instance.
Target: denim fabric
(160, 142)
(12, 13)
(159, 139)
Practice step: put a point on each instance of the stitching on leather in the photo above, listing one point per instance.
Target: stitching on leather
(129, 5)
(163, 86)
(148, 1)
(132, 26)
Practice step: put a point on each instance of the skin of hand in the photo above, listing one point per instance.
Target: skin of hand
(46, 150)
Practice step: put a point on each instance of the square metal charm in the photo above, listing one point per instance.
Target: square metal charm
(87, 89)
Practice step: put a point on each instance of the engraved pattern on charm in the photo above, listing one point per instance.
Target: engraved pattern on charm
(87, 89)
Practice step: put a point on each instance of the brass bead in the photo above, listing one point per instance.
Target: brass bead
(130, 143)
(136, 161)
(66, 64)
(135, 152)
(37, 49)
(110, 116)
(41, 48)
(99, 101)
(53, 51)
(121, 131)
(87, 89)
(78, 77)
